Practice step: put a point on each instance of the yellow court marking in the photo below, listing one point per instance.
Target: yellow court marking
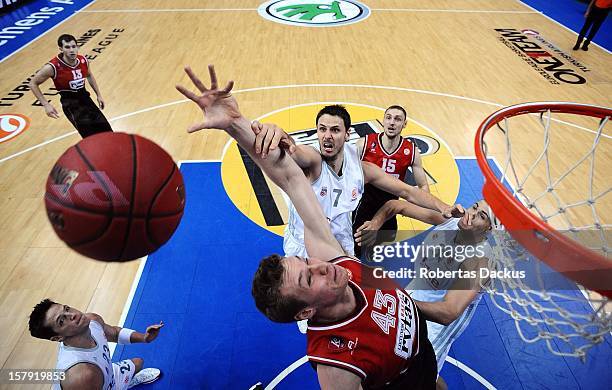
(438, 161)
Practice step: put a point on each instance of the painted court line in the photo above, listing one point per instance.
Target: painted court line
(128, 301)
(283, 374)
(102, 11)
(453, 10)
(471, 372)
(331, 85)
(138, 275)
(43, 34)
(151, 10)
(562, 25)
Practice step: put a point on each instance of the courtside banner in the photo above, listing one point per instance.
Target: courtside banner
(25, 24)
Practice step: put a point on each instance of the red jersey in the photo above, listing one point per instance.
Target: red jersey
(395, 163)
(70, 78)
(378, 341)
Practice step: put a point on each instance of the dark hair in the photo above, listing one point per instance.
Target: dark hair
(266, 292)
(37, 325)
(395, 107)
(66, 38)
(336, 110)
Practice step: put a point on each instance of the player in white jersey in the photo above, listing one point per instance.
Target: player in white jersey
(338, 197)
(345, 174)
(84, 357)
(452, 301)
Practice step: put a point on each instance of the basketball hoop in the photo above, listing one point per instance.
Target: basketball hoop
(537, 199)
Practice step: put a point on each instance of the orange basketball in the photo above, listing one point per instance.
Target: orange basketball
(115, 196)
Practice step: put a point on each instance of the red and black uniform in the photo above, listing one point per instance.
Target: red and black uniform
(384, 341)
(394, 163)
(80, 110)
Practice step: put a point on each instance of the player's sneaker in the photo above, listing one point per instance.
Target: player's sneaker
(144, 376)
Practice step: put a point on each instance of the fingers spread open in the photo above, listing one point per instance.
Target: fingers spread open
(195, 79)
(187, 93)
(213, 76)
(229, 86)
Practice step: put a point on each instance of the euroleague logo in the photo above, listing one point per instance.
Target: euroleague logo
(267, 206)
(11, 125)
(314, 13)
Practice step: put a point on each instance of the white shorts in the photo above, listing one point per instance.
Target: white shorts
(442, 337)
(124, 371)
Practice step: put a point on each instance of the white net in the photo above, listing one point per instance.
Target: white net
(558, 166)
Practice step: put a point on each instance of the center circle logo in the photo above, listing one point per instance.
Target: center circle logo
(314, 13)
(260, 200)
(11, 125)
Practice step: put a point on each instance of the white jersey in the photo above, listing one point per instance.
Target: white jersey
(99, 356)
(434, 289)
(338, 197)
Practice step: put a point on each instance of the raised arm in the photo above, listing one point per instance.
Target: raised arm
(366, 233)
(419, 173)
(45, 73)
(375, 176)
(458, 297)
(221, 112)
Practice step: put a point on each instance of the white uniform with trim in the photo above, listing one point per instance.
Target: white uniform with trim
(338, 197)
(117, 376)
(434, 289)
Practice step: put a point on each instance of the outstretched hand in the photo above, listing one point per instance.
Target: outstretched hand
(366, 234)
(152, 332)
(218, 105)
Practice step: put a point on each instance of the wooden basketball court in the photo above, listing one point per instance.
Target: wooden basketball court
(442, 60)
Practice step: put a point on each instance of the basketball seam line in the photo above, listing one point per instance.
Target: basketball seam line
(109, 215)
(106, 189)
(131, 209)
(161, 188)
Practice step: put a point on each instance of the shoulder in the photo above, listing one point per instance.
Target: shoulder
(95, 317)
(449, 224)
(83, 376)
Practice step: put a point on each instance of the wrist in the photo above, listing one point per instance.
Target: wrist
(239, 124)
(375, 223)
(125, 336)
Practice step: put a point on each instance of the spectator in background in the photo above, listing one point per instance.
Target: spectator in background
(595, 15)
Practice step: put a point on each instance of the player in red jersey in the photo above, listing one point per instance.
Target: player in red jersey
(69, 71)
(394, 154)
(372, 338)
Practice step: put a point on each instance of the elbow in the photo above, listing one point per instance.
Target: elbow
(408, 193)
(449, 316)
(446, 320)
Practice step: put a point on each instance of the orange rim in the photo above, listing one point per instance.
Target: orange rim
(542, 240)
